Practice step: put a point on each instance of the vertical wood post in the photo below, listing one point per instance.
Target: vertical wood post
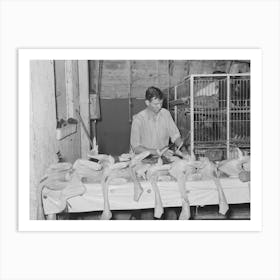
(130, 91)
(175, 108)
(84, 104)
(69, 88)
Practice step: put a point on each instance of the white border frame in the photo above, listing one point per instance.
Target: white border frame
(254, 55)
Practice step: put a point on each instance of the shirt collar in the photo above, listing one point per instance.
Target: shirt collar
(151, 115)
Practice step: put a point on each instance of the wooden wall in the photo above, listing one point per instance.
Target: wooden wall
(43, 118)
(43, 144)
(70, 146)
(119, 80)
(122, 78)
(118, 74)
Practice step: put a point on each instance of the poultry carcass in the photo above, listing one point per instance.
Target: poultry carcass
(124, 169)
(208, 171)
(153, 173)
(64, 179)
(180, 170)
(232, 167)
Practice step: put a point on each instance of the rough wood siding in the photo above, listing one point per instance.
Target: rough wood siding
(70, 147)
(115, 79)
(43, 144)
(93, 76)
(60, 90)
(145, 73)
(84, 104)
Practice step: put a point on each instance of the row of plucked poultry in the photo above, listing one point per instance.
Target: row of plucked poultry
(69, 179)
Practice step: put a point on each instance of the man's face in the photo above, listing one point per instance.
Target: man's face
(154, 105)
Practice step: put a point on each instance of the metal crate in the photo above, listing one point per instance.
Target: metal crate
(213, 111)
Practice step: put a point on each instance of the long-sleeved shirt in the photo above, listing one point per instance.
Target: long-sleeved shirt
(153, 131)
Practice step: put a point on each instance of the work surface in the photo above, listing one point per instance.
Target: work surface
(121, 196)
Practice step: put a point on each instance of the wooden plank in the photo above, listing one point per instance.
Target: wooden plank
(69, 88)
(60, 90)
(84, 104)
(70, 146)
(130, 65)
(43, 144)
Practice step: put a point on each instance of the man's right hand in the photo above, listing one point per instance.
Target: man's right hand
(168, 153)
(165, 152)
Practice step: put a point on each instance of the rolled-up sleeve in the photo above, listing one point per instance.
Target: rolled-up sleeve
(173, 130)
(135, 132)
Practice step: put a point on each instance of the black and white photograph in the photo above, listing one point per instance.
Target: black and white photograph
(142, 139)
(139, 139)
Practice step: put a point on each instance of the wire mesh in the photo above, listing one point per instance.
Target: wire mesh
(218, 123)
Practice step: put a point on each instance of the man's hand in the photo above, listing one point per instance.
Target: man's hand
(165, 152)
(168, 153)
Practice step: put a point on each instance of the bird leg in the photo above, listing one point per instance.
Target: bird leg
(152, 175)
(106, 214)
(158, 202)
(186, 211)
(223, 205)
(181, 180)
(179, 171)
(138, 189)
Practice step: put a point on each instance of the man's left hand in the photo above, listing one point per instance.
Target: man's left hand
(168, 153)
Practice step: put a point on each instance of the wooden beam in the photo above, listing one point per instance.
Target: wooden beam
(130, 64)
(69, 88)
(84, 105)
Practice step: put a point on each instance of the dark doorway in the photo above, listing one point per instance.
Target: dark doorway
(113, 129)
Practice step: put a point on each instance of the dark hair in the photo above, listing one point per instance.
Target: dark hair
(153, 92)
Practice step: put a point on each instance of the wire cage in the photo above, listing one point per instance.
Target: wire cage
(212, 112)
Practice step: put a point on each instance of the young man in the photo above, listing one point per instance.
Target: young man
(151, 130)
(153, 127)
